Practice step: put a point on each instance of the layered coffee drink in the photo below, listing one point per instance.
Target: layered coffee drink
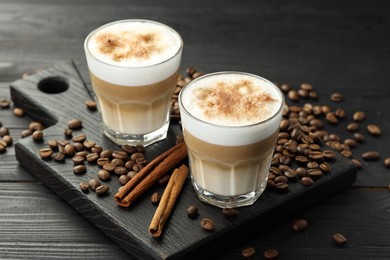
(230, 125)
(134, 66)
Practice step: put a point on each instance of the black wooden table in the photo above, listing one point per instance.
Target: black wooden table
(337, 46)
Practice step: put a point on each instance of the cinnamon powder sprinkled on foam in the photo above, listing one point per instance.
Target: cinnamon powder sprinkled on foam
(238, 101)
(128, 45)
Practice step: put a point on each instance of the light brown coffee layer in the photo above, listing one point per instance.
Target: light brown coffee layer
(134, 109)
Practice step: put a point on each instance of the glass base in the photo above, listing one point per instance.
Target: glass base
(137, 139)
(227, 201)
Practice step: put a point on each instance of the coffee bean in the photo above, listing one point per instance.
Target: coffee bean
(299, 225)
(4, 131)
(281, 178)
(357, 163)
(331, 118)
(84, 186)
(103, 175)
(106, 154)
(230, 212)
(75, 124)
(68, 132)
(336, 97)
(82, 154)
(96, 149)
(102, 161)
(78, 147)
(325, 167)
(92, 157)
(340, 239)
(370, 156)
(359, 137)
(79, 138)
(374, 130)
(192, 211)
(359, 116)
(164, 180)
(119, 170)
(79, 169)
(248, 252)
(5, 103)
(110, 167)
(119, 154)
(155, 198)
(340, 113)
(293, 95)
(94, 183)
(353, 127)
(271, 253)
(45, 153)
(285, 88)
(123, 179)
(346, 153)
(129, 149)
(301, 172)
(350, 142)
(59, 157)
(281, 186)
(36, 126)
(102, 190)
(386, 162)
(314, 173)
(329, 154)
(307, 181)
(88, 144)
(90, 104)
(52, 143)
(69, 150)
(78, 160)
(207, 224)
(25, 133)
(19, 112)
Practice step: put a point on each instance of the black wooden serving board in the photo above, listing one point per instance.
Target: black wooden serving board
(56, 95)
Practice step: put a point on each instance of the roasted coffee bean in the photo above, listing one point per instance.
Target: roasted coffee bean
(88, 144)
(68, 132)
(313, 94)
(293, 95)
(138, 167)
(79, 169)
(336, 97)
(131, 174)
(301, 159)
(96, 149)
(248, 252)
(350, 142)
(301, 172)
(316, 156)
(62, 142)
(136, 156)
(325, 167)
(92, 157)
(103, 175)
(105, 154)
(299, 225)
(52, 143)
(69, 150)
(119, 170)
(84, 186)
(374, 130)
(155, 198)
(359, 116)
(270, 184)
(285, 88)
(331, 118)
(94, 183)
(78, 147)
(78, 160)
(370, 156)
(37, 136)
(271, 253)
(45, 153)
(230, 212)
(123, 179)
(307, 181)
(340, 113)
(353, 127)
(75, 124)
(102, 190)
(281, 178)
(90, 104)
(207, 224)
(164, 180)
(59, 157)
(5, 103)
(4, 131)
(314, 173)
(386, 162)
(117, 162)
(346, 153)
(119, 154)
(81, 154)
(19, 112)
(340, 239)
(130, 164)
(140, 148)
(129, 149)
(79, 138)
(25, 133)
(110, 167)
(312, 165)
(359, 137)
(290, 173)
(281, 186)
(102, 161)
(358, 164)
(36, 126)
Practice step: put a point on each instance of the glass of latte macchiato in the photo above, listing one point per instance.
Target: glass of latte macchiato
(230, 124)
(134, 66)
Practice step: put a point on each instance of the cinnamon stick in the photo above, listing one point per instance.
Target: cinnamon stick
(145, 178)
(168, 200)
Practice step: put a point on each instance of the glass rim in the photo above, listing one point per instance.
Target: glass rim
(280, 109)
(173, 31)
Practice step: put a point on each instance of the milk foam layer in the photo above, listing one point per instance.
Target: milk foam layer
(133, 52)
(231, 108)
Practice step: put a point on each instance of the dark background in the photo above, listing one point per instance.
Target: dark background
(337, 46)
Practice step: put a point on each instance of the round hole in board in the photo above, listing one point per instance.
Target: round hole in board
(53, 85)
